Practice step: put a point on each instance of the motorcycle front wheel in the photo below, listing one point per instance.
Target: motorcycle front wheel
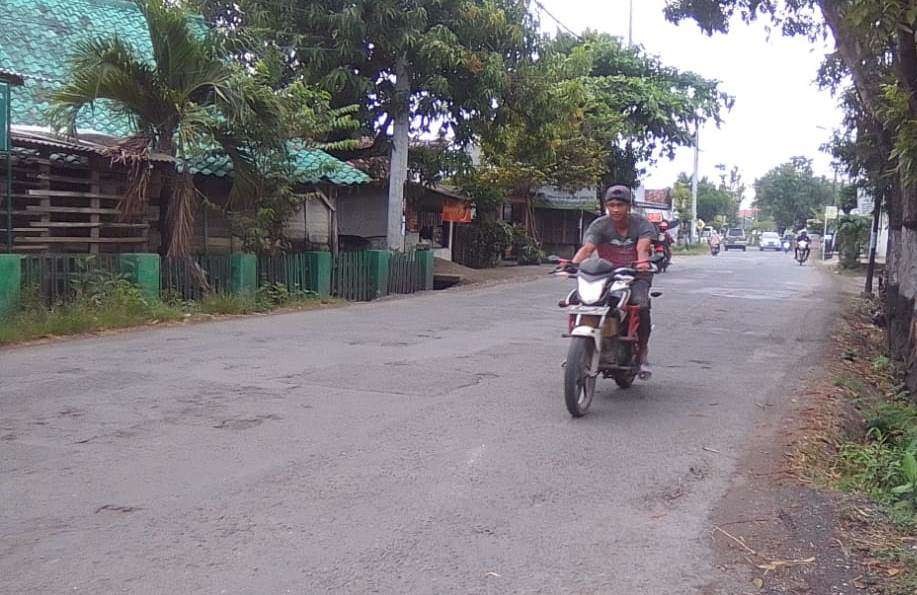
(579, 386)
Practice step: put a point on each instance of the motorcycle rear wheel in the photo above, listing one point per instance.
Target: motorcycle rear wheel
(579, 387)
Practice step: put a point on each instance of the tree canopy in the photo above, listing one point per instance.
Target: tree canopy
(716, 203)
(791, 194)
(457, 52)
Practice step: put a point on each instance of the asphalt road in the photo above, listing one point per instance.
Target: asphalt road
(409, 445)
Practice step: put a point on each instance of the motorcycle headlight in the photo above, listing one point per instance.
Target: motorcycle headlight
(590, 292)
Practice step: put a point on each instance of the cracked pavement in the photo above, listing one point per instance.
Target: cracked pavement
(406, 445)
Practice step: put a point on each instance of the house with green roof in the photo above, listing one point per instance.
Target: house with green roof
(83, 189)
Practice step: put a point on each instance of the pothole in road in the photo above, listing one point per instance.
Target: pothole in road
(244, 423)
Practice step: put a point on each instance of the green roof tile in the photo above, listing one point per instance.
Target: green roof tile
(309, 167)
(42, 38)
(37, 38)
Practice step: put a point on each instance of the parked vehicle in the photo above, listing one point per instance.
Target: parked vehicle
(802, 251)
(603, 328)
(770, 240)
(735, 239)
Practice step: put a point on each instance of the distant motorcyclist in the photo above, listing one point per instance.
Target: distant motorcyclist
(802, 236)
(713, 241)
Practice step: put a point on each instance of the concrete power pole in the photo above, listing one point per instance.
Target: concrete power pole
(398, 170)
(694, 182)
(630, 23)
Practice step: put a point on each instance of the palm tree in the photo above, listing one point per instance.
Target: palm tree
(188, 97)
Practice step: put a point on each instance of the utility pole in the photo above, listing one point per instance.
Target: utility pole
(630, 23)
(398, 171)
(694, 182)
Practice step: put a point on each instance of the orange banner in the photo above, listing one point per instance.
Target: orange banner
(457, 211)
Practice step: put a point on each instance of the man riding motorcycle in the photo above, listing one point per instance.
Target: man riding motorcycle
(625, 239)
(802, 236)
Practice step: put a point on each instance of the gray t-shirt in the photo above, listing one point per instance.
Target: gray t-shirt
(612, 246)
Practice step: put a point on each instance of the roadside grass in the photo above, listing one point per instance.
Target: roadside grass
(697, 250)
(861, 439)
(114, 303)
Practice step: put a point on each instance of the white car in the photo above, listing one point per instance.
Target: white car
(770, 241)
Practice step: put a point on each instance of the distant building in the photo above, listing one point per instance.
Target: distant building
(654, 204)
(749, 213)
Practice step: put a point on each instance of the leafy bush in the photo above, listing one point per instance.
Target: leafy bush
(852, 236)
(486, 240)
(525, 248)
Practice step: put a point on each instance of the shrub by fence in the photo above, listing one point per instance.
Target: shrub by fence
(61, 278)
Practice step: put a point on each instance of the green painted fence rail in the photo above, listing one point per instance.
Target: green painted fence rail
(293, 271)
(403, 273)
(350, 277)
(194, 277)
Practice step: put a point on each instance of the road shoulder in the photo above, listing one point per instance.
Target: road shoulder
(772, 533)
(779, 529)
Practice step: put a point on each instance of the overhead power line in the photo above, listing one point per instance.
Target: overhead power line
(558, 21)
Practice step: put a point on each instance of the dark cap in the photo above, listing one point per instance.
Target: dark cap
(619, 192)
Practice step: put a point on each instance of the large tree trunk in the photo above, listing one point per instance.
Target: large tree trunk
(398, 172)
(901, 262)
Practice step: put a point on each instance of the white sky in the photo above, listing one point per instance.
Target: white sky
(778, 107)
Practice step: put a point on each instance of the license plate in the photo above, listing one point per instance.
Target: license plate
(592, 310)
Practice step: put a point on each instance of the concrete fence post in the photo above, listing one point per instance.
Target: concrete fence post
(379, 261)
(244, 274)
(319, 272)
(10, 282)
(425, 263)
(143, 270)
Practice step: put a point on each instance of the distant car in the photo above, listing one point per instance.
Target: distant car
(735, 238)
(770, 240)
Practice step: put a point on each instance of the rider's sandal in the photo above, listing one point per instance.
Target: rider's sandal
(645, 372)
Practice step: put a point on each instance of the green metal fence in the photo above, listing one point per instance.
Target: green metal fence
(194, 277)
(404, 274)
(354, 276)
(56, 279)
(351, 277)
(290, 270)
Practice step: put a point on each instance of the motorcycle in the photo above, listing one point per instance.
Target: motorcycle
(603, 329)
(786, 246)
(802, 251)
(663, 252)
(714, 248)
